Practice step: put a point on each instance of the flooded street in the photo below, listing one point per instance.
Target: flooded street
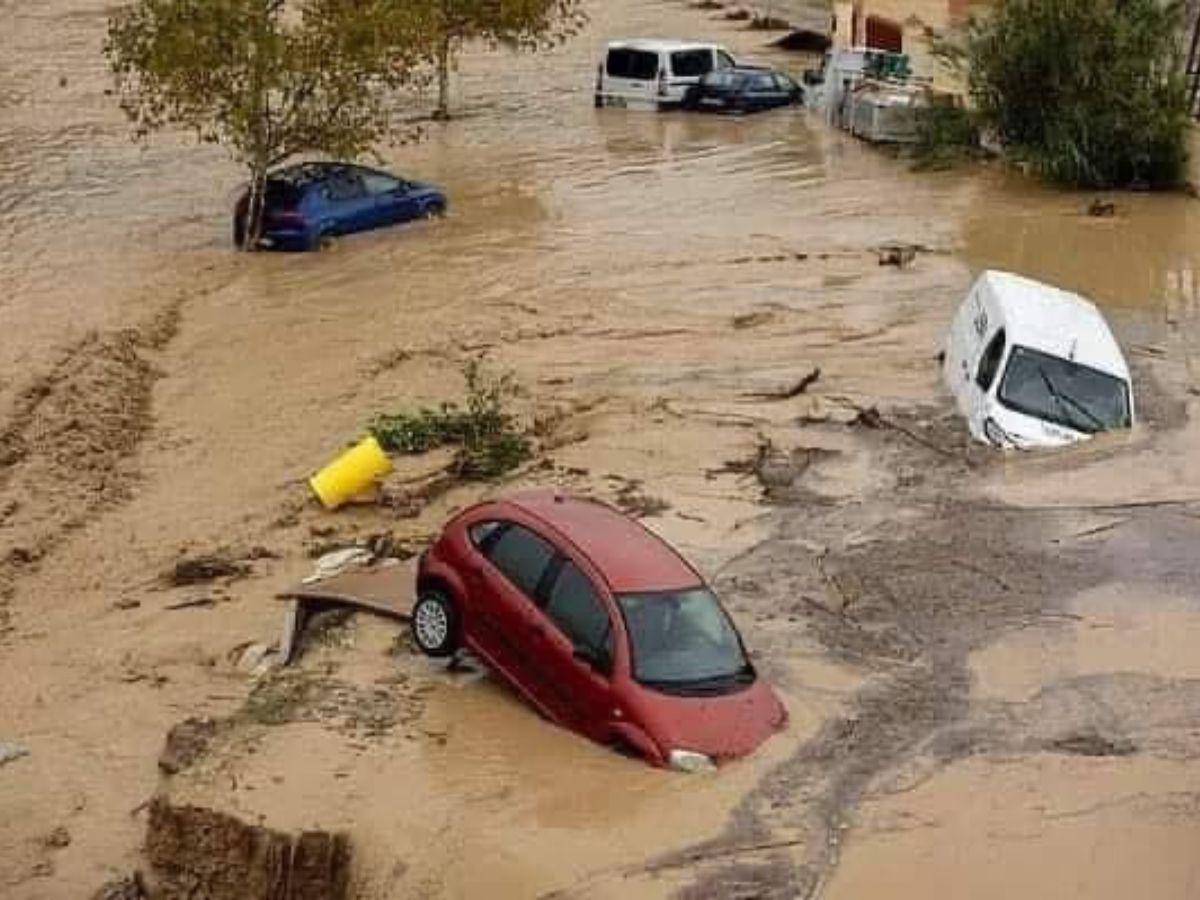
(989, 662)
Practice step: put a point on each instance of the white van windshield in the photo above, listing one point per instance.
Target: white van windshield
(638, 65)
(1064, 392)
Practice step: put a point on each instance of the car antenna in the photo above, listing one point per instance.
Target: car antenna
(1074, 346)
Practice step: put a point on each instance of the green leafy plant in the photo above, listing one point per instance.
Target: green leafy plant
(1090, 93)
(488, 438)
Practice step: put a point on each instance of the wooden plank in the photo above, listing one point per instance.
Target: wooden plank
(389, 591)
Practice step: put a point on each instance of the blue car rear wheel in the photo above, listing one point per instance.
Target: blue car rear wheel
(318, 239)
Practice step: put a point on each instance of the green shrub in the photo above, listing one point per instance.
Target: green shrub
(1090, 92)
(945, 135)
(488, 438)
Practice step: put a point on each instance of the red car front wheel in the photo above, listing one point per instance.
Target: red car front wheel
(435, 624)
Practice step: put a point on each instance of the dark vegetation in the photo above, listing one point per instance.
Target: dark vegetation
(488, 438)
(1088, 93)
(946, 135)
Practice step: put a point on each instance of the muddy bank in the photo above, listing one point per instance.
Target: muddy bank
(196, 852)
(913, 613)
(71, 437)
(94, 230)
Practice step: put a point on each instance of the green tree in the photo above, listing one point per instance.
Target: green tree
(267, 79)
(520, 24)
(1091, 92)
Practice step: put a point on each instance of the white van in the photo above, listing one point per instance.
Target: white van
(655, 74)
(1034, 366)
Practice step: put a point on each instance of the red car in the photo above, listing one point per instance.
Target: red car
(600, 624)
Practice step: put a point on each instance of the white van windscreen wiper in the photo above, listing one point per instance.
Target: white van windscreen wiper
(1068, 400)
(1093, 401)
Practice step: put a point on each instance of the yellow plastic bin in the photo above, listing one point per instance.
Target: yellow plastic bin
(351, 474)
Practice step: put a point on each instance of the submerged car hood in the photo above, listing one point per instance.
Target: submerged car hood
(722, 727)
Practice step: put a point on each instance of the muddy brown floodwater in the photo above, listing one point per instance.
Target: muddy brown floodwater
(989, 662)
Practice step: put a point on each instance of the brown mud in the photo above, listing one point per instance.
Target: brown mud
(72, 436)
(200, 853)
(911, 611)
(988, 661)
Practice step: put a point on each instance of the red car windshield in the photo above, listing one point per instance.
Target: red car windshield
(683, 642)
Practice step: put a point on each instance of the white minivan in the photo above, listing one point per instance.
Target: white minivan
(655, 74)
(1031, 365)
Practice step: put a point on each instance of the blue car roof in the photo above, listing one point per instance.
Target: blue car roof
(305, 174)
(737, 73)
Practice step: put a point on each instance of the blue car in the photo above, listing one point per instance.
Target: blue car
(310, 202)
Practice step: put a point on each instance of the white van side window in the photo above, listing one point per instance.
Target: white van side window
(638, 65)
(691, 63)
(989, 365)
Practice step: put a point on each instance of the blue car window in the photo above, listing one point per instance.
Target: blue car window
(763, 83)
(345, 186)
(377, 183)
(283, 195)
(722, 80)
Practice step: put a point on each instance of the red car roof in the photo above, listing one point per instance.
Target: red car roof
(631, 558)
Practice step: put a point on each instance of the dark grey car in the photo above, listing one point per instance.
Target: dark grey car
(743, 90)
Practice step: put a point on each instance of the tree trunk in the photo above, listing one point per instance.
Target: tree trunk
(260, 123)
(254, 209)
(443, 72)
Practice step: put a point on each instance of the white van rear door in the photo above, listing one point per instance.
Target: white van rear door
(630, 76)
